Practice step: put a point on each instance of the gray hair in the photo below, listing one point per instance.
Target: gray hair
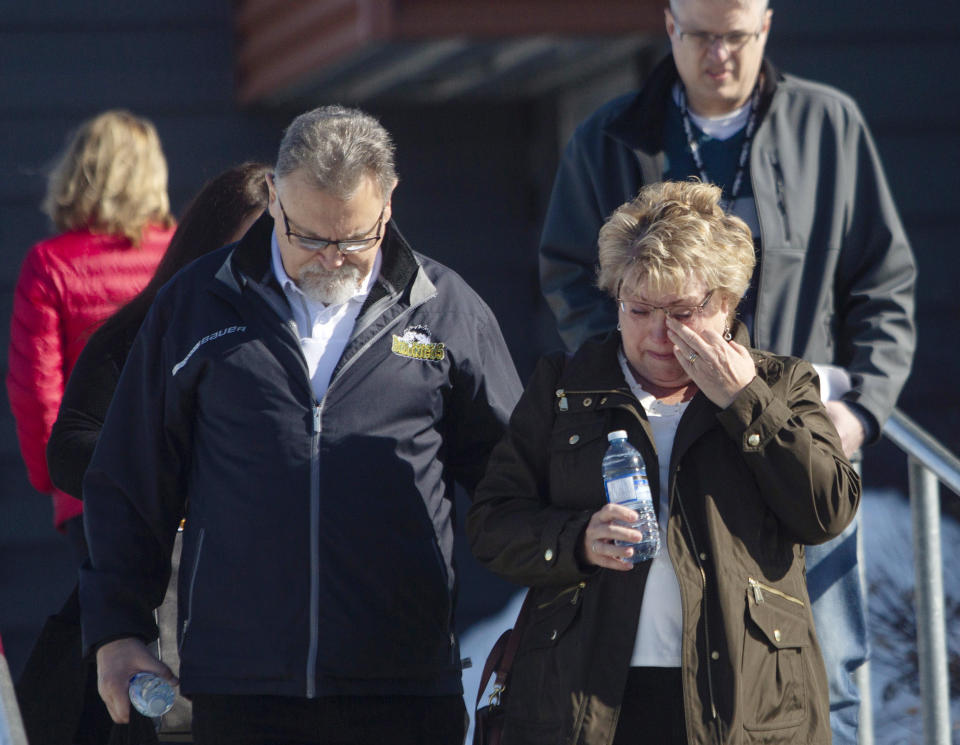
(334, 147)
(763, 4)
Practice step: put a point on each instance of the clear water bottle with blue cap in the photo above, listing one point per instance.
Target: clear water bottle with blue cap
(625, 481)
(151, 695)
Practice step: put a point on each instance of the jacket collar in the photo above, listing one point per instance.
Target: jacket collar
(250, 260)
(595, 365)
(593, 369)
(639, 125)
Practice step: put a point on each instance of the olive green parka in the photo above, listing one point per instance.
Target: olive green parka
(749, 486)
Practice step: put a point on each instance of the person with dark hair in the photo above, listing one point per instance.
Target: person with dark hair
(220, 213)
(308, 397)
(107, 198)
(57, 693)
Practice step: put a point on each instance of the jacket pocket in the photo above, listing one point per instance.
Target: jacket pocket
(776, 638)
(538, 699)
(194, 568)
(552, 617)
(576, 452)
(781, 192)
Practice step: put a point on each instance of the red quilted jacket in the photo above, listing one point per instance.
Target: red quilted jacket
(68, 286)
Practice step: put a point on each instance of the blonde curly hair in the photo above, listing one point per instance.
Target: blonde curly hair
(112, 178)
(670, 233)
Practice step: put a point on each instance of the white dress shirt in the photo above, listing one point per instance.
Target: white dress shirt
(324, 330)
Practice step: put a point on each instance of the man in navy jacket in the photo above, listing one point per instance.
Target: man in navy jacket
(306, 399)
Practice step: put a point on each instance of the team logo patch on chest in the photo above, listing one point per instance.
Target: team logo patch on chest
(415, 342)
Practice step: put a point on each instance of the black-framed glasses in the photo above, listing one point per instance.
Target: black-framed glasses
(638, 311)
(734, 41)
(311, 243)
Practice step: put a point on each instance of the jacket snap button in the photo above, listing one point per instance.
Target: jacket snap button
(554, 635)
(587, 401)
(548, 554)
(574, 439)
(715, 655)
(776, 634)
(703, 556)
(753, 440)
(603, 400)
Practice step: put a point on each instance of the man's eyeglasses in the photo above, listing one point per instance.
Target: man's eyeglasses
(311, 243)
(732, 40)
(643, 311)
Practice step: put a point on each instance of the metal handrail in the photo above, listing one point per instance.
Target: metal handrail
(929, 465)
(921, 446)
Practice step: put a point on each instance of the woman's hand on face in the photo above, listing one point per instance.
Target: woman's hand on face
(720, 368)
(599, 548)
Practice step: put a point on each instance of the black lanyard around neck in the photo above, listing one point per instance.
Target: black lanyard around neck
(744, 150)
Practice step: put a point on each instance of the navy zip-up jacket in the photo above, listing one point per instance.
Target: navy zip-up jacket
(318, 551)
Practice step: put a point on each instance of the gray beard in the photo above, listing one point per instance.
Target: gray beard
(330, 287)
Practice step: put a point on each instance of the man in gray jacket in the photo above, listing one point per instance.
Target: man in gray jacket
(835, 274)
(306, 397)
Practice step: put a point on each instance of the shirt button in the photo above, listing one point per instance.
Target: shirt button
(553, 635)
(753, 440)
(574, 439)
(776, 634)
(703, 556)
(548, 554)
(715, 655)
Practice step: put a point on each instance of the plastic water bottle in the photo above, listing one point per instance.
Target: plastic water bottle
(150, 694)
(625, 481)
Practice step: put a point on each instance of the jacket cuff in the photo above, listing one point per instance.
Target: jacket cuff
(559, 543)
(755, 417)
(109, 611)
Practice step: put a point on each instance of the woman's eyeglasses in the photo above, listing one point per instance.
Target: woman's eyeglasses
(683, 313)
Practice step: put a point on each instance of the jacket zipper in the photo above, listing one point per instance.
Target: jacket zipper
(575, 589)
(759, 588)
(193, 581)
(314, 644)
(564, 404)
(781, 196)
(445, 577)
(705, 605)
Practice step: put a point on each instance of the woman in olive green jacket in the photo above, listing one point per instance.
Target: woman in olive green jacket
(712, 641)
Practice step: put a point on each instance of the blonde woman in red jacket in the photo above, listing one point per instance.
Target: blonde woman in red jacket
(107, 199)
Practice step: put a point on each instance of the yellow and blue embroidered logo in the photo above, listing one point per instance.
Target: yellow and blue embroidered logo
(416, 344)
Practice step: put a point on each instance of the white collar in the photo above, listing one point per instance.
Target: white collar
(650, 403)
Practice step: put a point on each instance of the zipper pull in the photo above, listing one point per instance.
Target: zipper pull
(562, 395)
(316, 419)
(757, 592)
(577, 592)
